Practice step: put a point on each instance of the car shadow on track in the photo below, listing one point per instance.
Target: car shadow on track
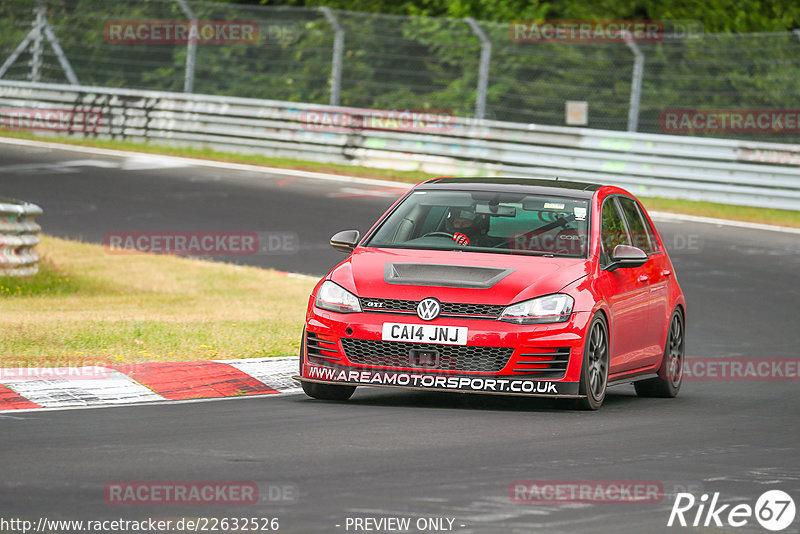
(439, 400)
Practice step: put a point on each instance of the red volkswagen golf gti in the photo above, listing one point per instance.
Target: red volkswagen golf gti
(503, 286)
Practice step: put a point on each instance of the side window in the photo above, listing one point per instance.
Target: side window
(651, 233)
(639, 234)
(612, 230)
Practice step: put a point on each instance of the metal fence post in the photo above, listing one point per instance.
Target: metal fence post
(191, 47)
(38, 44)
(338, 52)
(15, 54)
(636, 83)
(483, 69)
(41, 29)
(62, 57)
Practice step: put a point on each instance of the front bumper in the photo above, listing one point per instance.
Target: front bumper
(530, 360)
(460, 384)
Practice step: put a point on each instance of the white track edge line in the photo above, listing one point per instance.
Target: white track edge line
(207, 163)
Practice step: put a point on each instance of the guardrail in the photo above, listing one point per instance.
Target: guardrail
(694, 168)
(18, 237)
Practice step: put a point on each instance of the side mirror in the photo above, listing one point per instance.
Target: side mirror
(626, 256)
(346, 240)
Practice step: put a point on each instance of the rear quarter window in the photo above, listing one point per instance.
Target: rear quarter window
(612, 230)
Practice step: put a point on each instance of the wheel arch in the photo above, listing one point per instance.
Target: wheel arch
(603, 309)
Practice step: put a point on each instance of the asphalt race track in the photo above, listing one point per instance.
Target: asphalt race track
(402, 454)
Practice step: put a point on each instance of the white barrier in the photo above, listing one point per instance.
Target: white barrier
(18, 237)
(693, 168)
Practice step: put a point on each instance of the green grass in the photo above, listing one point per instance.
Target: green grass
(724, 211)
(89, 307)
(705, 209)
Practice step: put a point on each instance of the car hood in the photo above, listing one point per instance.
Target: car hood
(454, 276)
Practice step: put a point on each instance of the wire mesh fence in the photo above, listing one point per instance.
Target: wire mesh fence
(690, 83)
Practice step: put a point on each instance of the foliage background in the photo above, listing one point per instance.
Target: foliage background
(420, 54)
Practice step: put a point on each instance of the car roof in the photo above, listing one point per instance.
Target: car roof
(516, 185)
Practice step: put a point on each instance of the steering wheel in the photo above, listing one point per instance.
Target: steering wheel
(439, 234)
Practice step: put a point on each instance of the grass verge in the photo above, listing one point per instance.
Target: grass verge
(704, 209)
(724, 211)
(88, 307)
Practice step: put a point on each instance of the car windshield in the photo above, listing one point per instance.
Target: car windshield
(487, 221)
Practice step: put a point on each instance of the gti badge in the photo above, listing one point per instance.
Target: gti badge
(428, 309)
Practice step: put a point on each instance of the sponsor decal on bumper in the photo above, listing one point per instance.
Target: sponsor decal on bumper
(503, 384)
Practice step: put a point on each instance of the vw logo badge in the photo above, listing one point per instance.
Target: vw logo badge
(428, 309)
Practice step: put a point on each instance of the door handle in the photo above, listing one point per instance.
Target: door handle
(666, 272)
(643, 278)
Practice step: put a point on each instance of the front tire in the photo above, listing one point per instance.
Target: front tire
(328, 392)
(670, 375)
(594, 371)
(322, 391)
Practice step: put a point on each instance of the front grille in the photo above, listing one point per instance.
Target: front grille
(543, 362)
(321, 350)
(471, 309)
(394, 305)
(449, 309)
(451, 357)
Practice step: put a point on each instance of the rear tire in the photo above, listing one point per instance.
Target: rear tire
(670, 375)
(322, 391)
(594, 371)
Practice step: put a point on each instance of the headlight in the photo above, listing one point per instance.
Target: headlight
(334, 297)
(548, 309)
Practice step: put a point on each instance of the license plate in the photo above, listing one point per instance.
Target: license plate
(425, 333)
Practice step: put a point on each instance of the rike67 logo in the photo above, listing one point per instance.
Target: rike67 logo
(774, 510)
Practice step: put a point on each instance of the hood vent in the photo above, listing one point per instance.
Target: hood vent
(429, 274)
